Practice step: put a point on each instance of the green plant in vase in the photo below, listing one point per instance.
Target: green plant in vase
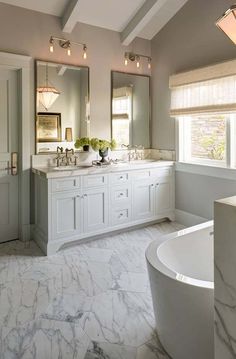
(102, 146)
(83, 142)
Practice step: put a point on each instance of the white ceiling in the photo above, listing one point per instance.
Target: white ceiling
(52, 7)
(115, 15)
(109, 14)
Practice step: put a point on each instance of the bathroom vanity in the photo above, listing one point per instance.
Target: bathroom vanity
(72, 205)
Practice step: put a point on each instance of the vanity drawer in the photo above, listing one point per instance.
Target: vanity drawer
(121, 215)
(161, 172)
(97, 180)
(120, 194)
(119, 178)
(66, 184)
(141, 175)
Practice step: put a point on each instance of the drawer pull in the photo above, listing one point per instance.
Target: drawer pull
(121, 215)
(121, 194)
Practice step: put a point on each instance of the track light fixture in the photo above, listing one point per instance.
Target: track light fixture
(66, 44)
(131, 56)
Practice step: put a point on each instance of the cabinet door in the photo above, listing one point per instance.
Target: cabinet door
(95, 209)
(143, 200)
(66, 214)
(163, 196)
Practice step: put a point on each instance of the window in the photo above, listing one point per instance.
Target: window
(204, 103)
(203, 138)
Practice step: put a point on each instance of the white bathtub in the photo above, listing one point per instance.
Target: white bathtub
(181, 278)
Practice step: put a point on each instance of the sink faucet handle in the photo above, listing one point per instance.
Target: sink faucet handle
(59, 149)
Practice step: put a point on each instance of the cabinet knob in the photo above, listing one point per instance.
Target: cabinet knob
(152, 185)
(121, 215)
(78, 196)
(121, 177)
(85, 195)
(121, 194)
(157, 184)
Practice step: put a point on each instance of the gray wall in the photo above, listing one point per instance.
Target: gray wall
(188, 41)
(196, 193)
(27, 32)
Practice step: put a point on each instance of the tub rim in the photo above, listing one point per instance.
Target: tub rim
(154, 261)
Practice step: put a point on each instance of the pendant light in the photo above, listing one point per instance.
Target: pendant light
(227, 23)
(47, 94)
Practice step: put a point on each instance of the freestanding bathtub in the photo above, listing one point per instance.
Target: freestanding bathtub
(181, 278)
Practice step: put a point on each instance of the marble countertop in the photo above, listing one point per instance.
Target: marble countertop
(87, 169)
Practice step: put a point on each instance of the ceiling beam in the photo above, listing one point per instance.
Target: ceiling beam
(140, 20)
(70, 16)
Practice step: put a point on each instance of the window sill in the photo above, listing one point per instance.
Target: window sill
(206, 170)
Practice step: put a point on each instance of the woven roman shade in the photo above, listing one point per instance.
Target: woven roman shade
(211, 89)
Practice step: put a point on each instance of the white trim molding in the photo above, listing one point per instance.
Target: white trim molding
(206, 170)
(188, 219)
(23, 64)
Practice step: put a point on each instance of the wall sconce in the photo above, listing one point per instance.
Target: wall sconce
(227, 23)
(68, 134)
(66, 44)
(131, 56)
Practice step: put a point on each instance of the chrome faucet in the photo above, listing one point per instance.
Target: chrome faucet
(135, 152)
(59, 149)
(68, 157)
(59, 157)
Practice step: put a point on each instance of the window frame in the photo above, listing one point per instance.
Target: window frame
(183, 150)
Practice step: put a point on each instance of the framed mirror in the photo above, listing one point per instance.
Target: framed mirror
(62, 105)
(130, 109)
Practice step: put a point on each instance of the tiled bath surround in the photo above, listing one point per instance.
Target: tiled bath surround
(90, 301)
(225, 280)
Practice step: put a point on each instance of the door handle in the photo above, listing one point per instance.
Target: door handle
(14, 164)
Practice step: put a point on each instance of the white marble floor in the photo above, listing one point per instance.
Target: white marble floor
(91, 301)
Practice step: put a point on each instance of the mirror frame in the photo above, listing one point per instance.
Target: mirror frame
(35, 97)
(150, 108)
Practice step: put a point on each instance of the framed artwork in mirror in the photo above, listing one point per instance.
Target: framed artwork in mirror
(48, 127)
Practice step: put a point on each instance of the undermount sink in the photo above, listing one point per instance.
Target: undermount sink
(71, 168)
(148, 160)
(135, 162)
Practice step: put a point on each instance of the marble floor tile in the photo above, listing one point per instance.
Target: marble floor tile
(91, 301)
(117, 317)
(152, 350)
(110, 351)
(22, 301)
(44, 339)
(131, 282)
(73, 308)
(89, 277)
(93, 254)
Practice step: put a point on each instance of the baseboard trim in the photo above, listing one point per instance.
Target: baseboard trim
(188, 219)
(25, 234)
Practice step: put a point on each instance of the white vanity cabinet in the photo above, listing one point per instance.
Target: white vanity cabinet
(72, 208)
(66, 214)
(143, 200)
(95, 209)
